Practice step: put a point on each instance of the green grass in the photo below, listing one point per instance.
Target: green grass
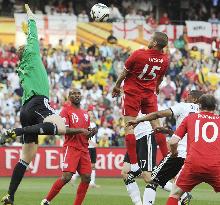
(111, 192)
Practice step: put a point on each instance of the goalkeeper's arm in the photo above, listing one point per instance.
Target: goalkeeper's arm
(32, 39)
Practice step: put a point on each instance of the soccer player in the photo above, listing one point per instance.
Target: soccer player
(92, 149)
(142, 75)
(146, 152)
(203, 150)
(169, 166)
(35, 109)
(75, 150)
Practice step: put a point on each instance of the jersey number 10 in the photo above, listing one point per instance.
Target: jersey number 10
(151, 75)
(204, 131)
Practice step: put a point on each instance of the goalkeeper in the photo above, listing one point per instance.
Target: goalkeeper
(36, 115)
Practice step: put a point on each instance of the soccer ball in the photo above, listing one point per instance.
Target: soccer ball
(99, 12)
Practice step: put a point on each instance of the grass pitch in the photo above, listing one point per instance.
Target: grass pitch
(111, 192)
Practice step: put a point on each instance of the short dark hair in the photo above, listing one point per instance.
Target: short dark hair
(207, 102)
(196, 94)
(161, 39)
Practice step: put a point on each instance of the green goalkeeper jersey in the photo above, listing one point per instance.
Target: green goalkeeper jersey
(31, 71)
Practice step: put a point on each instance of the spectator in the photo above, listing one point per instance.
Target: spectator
(164, 20)
(72, 47)
(213, 19)
(111, 38)
(83, 17)
(151, 20)
(115, 14)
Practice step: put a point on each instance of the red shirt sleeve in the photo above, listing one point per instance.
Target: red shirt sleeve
(182, 129)
(65, 116)
(129, 63)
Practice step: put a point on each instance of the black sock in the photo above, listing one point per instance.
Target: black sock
(16, 178)
(46, 128)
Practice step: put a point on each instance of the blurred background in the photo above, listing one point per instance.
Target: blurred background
(90, 55)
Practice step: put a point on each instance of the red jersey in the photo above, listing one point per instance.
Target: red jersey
(145, 67)
(76, 118)
(203, 137)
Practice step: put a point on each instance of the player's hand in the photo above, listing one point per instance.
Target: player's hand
(163, 130)
(116, 92)
(132, 123)
(84, 131)
(92, 132)
(29, 12)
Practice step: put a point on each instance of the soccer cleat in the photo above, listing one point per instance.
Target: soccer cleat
(132, 175)
(6, 200)
(8, 137)
(44, 202)
(94, 186)
(187, 199)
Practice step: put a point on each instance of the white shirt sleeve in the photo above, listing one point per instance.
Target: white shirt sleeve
(177, 109)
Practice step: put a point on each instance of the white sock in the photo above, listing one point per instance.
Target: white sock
(149, 196)
(134, 193)
(168, 186)
(134, 167)
(93, 177)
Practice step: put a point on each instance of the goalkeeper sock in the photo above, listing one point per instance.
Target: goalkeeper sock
(55, 189)
(81, 193)
(161, 141)
(172, 201)
(46, 128)
(130, 142)
(17, 176)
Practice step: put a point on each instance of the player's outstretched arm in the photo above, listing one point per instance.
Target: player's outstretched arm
(116, 89)
(75, 131)
(32, 39)
(151, 116)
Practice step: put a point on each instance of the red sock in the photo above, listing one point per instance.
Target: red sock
(172, 201)
(161, 141)
(55, 189)
(130, 142)
(81, 192)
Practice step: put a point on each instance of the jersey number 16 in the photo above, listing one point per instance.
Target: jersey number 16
(151, 75)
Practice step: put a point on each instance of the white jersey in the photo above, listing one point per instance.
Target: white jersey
(142, 129)
(93, 139)
(180, 111)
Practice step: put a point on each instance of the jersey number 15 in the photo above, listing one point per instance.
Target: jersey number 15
(151, 75)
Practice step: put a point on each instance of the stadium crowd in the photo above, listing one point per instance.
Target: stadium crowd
(94, 70)
(138, 10)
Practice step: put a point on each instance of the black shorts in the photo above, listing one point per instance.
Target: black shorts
(146, 149)
(92, 153)
(168, 168)
(33, 112)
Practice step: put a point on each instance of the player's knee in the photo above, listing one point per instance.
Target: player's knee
(86, 178)
(146, 177)
(123, 174)
(66, 177)
(152, 185)
(58, 121)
